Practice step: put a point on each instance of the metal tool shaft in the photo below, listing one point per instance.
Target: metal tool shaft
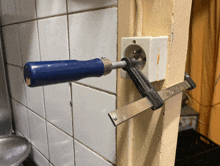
(109, 66)
(117, 65)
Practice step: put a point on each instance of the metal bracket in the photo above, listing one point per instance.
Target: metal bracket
(127, 112)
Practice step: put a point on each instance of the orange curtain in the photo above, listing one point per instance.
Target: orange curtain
(203, 65)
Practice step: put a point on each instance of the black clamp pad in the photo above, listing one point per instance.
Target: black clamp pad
(189, 81)
(142, 83)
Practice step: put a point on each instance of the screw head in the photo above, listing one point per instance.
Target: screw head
(115, 118)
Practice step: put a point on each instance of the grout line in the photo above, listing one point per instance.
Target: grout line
(51, 163)
(74, 150)
(71, 91)
(94, 151)
(19, 40)
(27, 107)
(36, 19)
(41, 18)
(94, 9)
(73, 140)
(42, 117)
(59, 128)
(68, 35)
(46, 121)
(117, 87)
(44, 104)
(39, 152)
(25, 94)
(67, 6)
(13, 65)
(46, 124)
(38, 35)
(18, 131)
(32, 145)
(29, 130)
(94, 88)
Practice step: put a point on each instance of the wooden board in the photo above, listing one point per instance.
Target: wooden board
(150, 138)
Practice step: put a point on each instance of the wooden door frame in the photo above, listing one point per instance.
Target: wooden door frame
(150, 138)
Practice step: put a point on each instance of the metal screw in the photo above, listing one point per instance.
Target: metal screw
(103, 57)
(115, 118)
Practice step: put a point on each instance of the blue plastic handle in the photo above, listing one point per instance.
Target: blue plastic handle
(53, 72)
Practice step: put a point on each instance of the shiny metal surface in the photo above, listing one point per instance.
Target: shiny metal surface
(120, 64)
(107, 66)
(13, 150)
(129, 111)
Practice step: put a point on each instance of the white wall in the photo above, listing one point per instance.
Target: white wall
(63, 134)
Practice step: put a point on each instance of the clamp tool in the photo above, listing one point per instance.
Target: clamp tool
(129, 111)
(53, 72)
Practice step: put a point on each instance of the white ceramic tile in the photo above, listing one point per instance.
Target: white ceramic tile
(38, 133)
(29, 42)
(12, 45)
(54, 38)
(61, 147)
(92, 125)
(35, 100)
(25, 10)
(8, 12)
(57, 104)
(21, 119)
(93, 35)
(17, 10)
(30, 52)
(79, 5)
(38, 158)
(85, 157)
(16, 82)
(50, 7)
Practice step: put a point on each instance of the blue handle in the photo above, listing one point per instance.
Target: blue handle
(53, 72)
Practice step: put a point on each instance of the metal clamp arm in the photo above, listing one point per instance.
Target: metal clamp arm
(129, 111)
(189, 81)
(142, 84)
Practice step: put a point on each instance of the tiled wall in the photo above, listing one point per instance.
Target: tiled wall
(67, 124)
